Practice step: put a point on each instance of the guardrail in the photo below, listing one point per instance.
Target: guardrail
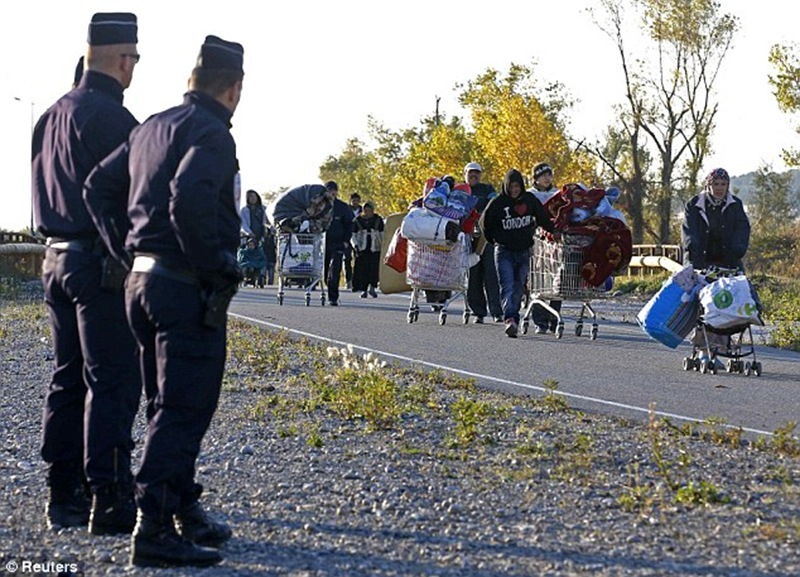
(22, 255)
(651, 258)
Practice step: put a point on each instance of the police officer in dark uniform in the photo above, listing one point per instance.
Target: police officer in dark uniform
(94, 392)
(183, 237)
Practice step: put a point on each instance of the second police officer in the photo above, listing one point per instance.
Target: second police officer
(184, 235)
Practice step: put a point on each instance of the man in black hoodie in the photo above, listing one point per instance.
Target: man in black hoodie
(509, 222)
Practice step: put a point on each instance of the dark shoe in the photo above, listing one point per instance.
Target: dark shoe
(553, 326)
(113, 511)
(372, 293)
(157, 544)
(364, 295)
(334, 303)
(193, 524)
(511, 328)
(541, 329)
(498, 319)
(477, 320)
(67, 509)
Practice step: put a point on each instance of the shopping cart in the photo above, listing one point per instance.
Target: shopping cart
(734, 343)
(301, 260)
(556, 275)
(438, 268)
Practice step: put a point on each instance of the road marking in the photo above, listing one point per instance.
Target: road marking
(480, 376)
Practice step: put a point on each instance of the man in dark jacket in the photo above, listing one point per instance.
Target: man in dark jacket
(94, 392)
(509, 222)
(337, 240)
(483, 291)
(715, 229)
(184, 235)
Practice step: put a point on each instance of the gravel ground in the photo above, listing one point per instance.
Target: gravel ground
(458, 482)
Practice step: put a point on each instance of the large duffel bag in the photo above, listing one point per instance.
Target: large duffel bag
(673, 311)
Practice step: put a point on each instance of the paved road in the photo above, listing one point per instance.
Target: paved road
(621, 372)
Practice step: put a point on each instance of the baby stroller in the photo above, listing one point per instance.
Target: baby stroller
(727, 335)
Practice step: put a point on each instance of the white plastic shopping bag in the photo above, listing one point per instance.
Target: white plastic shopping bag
(730, 302)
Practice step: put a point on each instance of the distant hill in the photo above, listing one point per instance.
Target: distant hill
(743, 185)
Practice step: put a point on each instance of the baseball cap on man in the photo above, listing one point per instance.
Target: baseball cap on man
(472, 166)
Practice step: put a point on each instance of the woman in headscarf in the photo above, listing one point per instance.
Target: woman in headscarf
(715, 230)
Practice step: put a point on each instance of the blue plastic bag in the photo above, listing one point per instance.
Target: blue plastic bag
(671, 314)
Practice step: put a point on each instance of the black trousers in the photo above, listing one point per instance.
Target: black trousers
(366, 270)
(333, 272)
(94, 392)
(483, 290)
(182, 364)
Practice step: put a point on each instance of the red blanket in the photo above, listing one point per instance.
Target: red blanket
(611, 247)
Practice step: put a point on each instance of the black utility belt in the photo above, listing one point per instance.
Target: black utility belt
(151, 265)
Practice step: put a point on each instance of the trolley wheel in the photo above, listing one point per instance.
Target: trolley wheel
(525, 327)
(280, 300)
(688, 364)
(322, 299)
(578, 329)
(704, 366)
(466, 317)
(593, 334)
(410, 317)
(442, 317)
(308, 300)
(712, 366)
(560, 330)
(757, 368)
(747, 369)
(730, 366)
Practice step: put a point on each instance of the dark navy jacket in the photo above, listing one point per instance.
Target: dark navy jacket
(75, 134)
(341, 227)
(715, 236)
(182, 166)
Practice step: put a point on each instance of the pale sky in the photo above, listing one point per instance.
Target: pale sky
(315, 70)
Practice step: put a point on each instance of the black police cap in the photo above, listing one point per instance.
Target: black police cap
(219, 54)
(113, 28)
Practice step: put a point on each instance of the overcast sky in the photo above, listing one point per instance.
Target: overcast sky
(315, 70)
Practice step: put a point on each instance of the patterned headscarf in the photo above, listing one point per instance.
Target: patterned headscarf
(717, 173)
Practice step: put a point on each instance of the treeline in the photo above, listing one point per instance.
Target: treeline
(654, 148)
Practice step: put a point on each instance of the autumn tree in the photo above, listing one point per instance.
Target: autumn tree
(518, 123)
(786, 82)
(669, 107)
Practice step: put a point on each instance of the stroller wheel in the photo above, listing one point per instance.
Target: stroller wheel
(688, 364)
(747, 369)
(757, 368)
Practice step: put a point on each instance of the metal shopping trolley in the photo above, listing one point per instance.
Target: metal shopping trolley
(440, 268)
(556, 275)
(301, 261)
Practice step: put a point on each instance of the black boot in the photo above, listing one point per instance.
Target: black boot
(113, 511)
(66, 508)
(156, 544)
(193, 524)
